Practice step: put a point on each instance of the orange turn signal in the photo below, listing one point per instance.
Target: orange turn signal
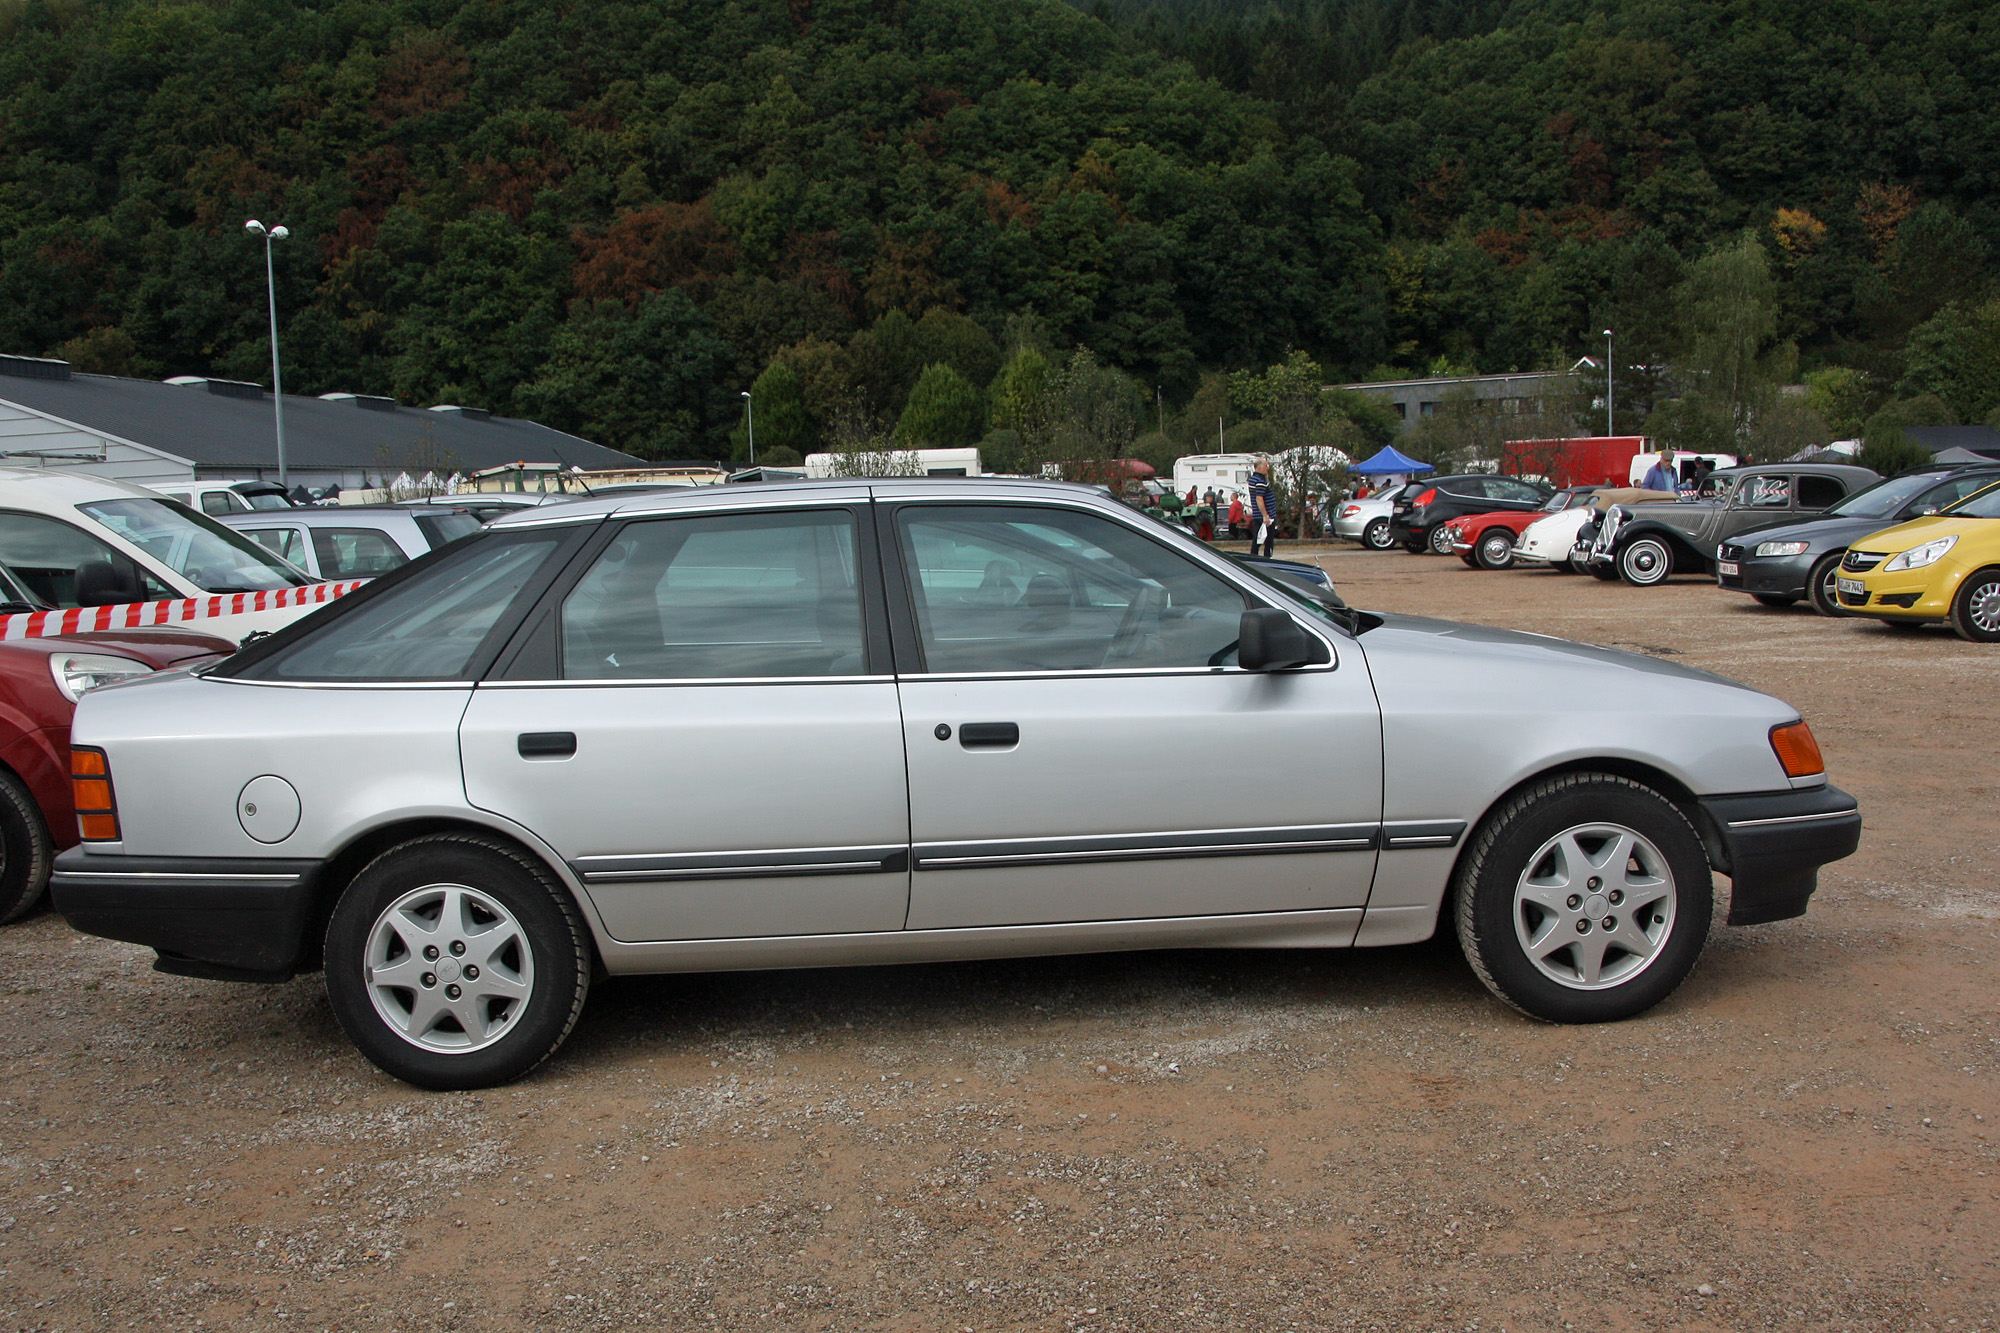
(90, 786)
(1797, 750)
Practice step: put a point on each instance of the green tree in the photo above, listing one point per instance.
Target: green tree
(778, 404)
(1955, 355)
(944, 412)
(1730, 354)
(1841, 396)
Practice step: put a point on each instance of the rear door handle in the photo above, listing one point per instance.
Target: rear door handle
(989, 735)
(546, 744)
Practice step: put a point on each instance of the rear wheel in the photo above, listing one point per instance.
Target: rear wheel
(1975, 612)
(1774, 599)
(1440, 542)
(1495, 549)
(1645, 562)
(1376, 536)
(25, 850)
(1584, 899)
(454, 961)
(1562, 566)
(1820, 584)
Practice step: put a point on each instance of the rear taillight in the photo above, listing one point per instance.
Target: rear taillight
(1350, 511)
(90, 785)
(1425, 498)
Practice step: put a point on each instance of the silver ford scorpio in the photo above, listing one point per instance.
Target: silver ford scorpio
(888, 721)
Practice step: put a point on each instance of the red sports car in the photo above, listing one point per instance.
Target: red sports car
(40, 680)
(1486, 541)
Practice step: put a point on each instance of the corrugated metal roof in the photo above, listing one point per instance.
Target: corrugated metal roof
(214, 430)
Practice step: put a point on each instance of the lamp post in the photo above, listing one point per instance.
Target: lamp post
(750, 415)
(1608, 389)
(256, 228)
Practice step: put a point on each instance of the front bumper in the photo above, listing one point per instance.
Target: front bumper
(1772, 575)
(1914, 594)
(231, 919)
(1772, 844)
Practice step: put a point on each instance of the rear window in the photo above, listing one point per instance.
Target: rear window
(356, 553)
(445, 528)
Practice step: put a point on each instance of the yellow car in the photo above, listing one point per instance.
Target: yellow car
(1942, 567)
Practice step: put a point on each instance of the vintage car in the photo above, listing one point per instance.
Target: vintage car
(1780, 565)
(1487, 540)
(840, 722)
(1550, 540)
(1944, 567)
(1646, 543)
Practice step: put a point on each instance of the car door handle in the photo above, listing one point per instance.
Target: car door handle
(989, 735)
(546, 744)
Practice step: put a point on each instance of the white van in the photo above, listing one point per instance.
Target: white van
(217, 498)
(894, 463)
(126, 556)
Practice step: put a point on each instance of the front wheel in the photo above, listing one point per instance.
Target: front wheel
(1605, 571)
(1820, 585)
(26, 853)
(1440, 541)
(1562, 566)
(1584, 899)
(1645, 562)
(1495, 549)
(1975, 612)
(456, 961)
(1376, 536)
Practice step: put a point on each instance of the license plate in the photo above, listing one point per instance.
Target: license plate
(1727, 567)
(1854, 586)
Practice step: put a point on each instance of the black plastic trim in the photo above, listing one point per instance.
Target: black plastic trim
(786, 863)
(1774, 844)
(1147, 847)
(241, 914)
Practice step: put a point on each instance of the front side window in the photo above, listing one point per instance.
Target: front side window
(196, 547)
(1767, 492)
(727, 596)
(426, 628)
(1014, 588)
(66, 566)
(356, 553)
(1506, 488)
(1980, 504)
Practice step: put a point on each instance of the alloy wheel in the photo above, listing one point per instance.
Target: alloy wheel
(1595, 906)
(448, 968)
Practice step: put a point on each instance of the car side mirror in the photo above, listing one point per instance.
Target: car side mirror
(1926, 509)
(1269, 640)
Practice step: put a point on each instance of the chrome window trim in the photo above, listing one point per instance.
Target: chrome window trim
(342, 684)
(681, 681)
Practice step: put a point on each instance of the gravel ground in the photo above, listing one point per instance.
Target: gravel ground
(1800, 1137)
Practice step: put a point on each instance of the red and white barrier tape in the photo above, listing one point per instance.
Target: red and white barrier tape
(187, 613)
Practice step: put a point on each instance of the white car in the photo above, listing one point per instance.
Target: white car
(88, 542)
(1549, 541)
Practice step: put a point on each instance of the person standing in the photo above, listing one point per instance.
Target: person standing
(1661, 476)
(1263, 510)
(1237, 515)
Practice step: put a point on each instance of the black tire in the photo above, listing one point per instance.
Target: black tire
(1471, 560)
(26, 853)
(1819, 585)
(1376, 536)
(1645, 561)
(1440, 540)
(1774, 599)
(1495, 549)
(1416, 546)
(557, 964)
(1562, 566)
(1494, 911)
(1604, 573)
(1975, 611)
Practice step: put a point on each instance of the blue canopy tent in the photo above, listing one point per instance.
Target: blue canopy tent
(1390, 463)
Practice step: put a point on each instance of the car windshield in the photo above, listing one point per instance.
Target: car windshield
(1980, 504)
(267, 500)
(196, 547)
(1884, 497)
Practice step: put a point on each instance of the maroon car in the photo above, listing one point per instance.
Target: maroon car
(40, 680)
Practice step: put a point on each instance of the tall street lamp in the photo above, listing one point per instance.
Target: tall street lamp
(1608, 390)
(750, 415)
(256, 228)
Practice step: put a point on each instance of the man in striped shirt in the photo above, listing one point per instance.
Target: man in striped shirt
(1263, 509)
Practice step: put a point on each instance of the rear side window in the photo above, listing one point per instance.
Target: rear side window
(426, 628)
(1819, 492)
(223, 502)
(356, 553)
(1767, 492)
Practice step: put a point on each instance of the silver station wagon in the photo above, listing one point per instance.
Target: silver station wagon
(848, 722)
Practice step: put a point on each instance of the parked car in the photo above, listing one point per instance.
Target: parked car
(216, 498)
(1943, 567)
(79, 541)
(1367, 521)
(1551, 540)
(355, 541)
(1802, 560)
(488, 506)
(40, 682)
(1418, 515)
(908, 719)
(1486, 540)
(1645, 543)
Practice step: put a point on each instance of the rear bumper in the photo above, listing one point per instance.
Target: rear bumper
(1774, 844)
(227, 918)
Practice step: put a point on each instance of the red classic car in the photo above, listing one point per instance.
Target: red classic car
(1486, 541)
(40, 680)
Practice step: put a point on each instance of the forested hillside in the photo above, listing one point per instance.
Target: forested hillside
(935, 219)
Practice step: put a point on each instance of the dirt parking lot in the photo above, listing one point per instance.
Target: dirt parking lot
(1803, 1136)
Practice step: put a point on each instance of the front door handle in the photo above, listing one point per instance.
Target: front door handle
(546, 744)
(989, 735)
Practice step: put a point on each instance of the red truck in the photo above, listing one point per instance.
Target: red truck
(1592, 460)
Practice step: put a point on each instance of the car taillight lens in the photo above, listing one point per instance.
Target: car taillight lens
(1350, 511)
(1425, 498)
(90, 785)
(1797, 751)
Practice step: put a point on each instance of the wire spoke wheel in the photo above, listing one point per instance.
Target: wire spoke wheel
(448, 968)
(1595, 906)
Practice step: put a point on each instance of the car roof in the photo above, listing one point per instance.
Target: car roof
(342, 516)
(693, 499)
(53, 491)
